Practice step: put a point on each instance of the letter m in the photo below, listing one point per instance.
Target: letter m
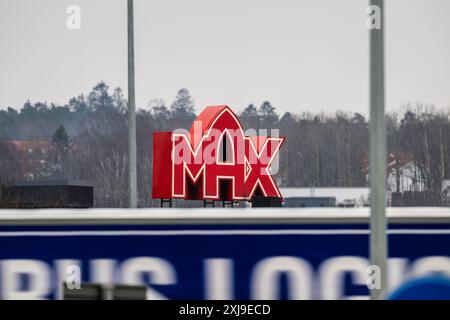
(188, 169)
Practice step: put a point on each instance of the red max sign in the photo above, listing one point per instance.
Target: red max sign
(215, 160)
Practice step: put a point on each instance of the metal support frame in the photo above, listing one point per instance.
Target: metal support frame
(228, 204)
(209, 203)
(168, 201)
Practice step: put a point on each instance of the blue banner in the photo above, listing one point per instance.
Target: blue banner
(239, 261)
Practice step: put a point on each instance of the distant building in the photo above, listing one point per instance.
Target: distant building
(404, 175)
(48, 194)
(446, 193)
(31, 154)
(325, 197)
(309, 202)
(406, 185)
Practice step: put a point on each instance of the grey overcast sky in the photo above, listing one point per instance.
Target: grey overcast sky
(302, 55)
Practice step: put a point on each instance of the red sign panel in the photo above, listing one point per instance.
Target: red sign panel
(215, 160)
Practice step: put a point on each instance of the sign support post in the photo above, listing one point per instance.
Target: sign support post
(377, 164)
(132, 166)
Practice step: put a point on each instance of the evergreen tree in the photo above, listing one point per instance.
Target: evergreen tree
(268, 115)
(267, 111)
(250, 111)
(119, 101)
(183, 105)
(99, 97)
(78, 104)
(61, 140)
(59, 155)
(159, 110)
(249, 118)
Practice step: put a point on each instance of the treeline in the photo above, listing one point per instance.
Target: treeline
(88, 141)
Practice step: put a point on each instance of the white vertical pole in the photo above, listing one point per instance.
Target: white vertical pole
(378, 238)
(132, 174)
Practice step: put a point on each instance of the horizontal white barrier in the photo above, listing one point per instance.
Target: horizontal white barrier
(218, 216)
